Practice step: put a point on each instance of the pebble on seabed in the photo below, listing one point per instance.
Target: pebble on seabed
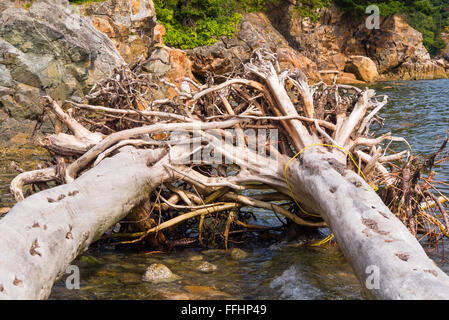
(238, 254)
(207, 267)
(159, 273)
(196, 258)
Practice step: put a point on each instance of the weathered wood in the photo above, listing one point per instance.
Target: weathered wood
(44, 233)
(366, 231)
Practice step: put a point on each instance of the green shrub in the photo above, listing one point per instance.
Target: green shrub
(196, 23)
(192, 23)
(309, 8)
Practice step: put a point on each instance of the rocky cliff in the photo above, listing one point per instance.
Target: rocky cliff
(334, 45)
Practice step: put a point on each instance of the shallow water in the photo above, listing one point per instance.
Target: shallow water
(269, 272)
(417, 110)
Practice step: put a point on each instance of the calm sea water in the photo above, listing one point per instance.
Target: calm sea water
(418, 111)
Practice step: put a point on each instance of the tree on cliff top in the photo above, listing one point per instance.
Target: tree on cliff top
(196, 23)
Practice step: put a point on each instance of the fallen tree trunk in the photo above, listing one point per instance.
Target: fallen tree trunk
(43, 234)
(373, 240)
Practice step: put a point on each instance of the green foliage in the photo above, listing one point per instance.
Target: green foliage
(196, 23)
(309, 8)
(430, 17)
(193, 23)
(27, 4)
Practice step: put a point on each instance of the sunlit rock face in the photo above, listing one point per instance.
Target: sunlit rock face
(255, 31)
(47, 49)
(396, 48)
(128, 23)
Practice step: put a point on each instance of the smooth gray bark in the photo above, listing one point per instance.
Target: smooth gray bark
(369, 235)
(43, 234)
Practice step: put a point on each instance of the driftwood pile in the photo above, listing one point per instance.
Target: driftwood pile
(227, 144)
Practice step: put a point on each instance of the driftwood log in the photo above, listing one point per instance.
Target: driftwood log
(130, 152)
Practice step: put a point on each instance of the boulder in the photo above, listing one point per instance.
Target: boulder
(238, 254)
(348, 78)
(157, 273)
(61, 55)
(207, 267)
(425, 70)
(363, 68)
(129, 24)
(328, 77)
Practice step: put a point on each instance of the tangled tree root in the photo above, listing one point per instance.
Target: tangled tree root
(120, 111)
(207, 174)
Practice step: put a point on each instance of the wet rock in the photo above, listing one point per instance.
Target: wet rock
(363, 68)
(207, 267)
(196, 258)
(105, 273)
(129, 278)
(213, 252)
(159, 273)
(89, 261)
(238, 254)
(202, 292)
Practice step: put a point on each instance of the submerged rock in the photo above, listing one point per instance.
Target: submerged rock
(213, 252)
(207, 267)
(87, 261)
(202, 292)
(238, 254)
(159, 273)
(129, 278)
(196, 258)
